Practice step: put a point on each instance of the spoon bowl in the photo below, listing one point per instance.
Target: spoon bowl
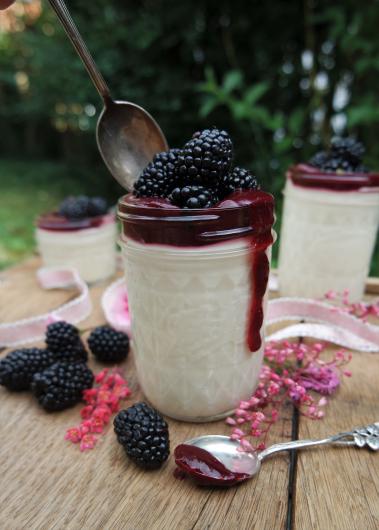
(128, 138)
(229, 453)
(220, 461)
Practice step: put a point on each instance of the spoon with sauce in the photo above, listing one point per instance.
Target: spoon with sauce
(216, 460)
(127, 136)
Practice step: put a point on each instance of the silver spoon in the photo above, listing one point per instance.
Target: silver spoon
(127, 136)
(218, 460)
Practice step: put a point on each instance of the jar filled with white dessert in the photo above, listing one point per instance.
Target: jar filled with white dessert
(329, 225)
(196, 240)
(82, 234)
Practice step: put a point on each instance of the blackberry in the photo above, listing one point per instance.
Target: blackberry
(319, 159)
(19, 366)
(206, 158)
(193, 197)
(238, 179)
(74, 207)
(337, 163)
(143, 433)
(361, 169)
(97, 206)
(61, 385)
(108, 345)
(345, 155)
(64, 341)
(348, 149)
(158, 178)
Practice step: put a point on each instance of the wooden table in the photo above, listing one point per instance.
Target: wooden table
(46, 483)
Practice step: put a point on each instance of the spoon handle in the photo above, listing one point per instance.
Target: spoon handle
(76, 39)
(361, 437)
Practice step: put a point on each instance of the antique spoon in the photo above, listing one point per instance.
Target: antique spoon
(218, 460)
(127, 136)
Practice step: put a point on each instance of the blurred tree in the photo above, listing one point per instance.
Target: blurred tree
(281, 76)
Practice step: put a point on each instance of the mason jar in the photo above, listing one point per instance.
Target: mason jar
(329, 227)
(87, 245)
(196, 282)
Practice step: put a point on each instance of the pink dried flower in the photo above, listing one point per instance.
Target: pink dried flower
(323, 380)
(90, 395)
(360, 310)
(101, 375)
(291, 372)
(73, 435)
(86, 412)
(88, 442)
(102, 401)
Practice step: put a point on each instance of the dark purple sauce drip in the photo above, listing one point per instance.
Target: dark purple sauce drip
(312, 177)
(58, 223)
(244, 214)
(204, 467)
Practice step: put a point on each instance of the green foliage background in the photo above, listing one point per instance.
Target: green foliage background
(269, 72)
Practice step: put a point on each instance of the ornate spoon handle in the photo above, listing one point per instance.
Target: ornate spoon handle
(361, 437)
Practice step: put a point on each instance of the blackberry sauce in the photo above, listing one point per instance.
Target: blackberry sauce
(204, 467)
(311, 177)
(58, 223)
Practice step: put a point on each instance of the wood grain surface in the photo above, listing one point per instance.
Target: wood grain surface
(338, 488)
(46, 483)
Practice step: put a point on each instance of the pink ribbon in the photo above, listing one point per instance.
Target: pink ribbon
(114, 303)
(33, 329)
(327, 322)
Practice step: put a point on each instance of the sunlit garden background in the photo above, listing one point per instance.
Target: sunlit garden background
(281, 88)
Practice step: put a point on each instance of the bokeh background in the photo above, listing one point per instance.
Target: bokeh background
(282, 77)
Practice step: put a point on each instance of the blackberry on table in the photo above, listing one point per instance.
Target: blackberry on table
(143, 433)
(108, 345)
(238, 179)
(63, 339)
(193, 197)
(158, 178)
(74, 207)
(206, 158)
(61, 385)
(19, 366)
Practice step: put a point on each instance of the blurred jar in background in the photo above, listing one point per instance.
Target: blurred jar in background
(329, 227)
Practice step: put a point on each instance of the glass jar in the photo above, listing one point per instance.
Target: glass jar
(90, 250)
(327, 236)
(197, 307)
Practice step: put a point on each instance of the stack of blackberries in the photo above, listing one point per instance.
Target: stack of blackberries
(58, 374)
(196, 176)
(344, 156)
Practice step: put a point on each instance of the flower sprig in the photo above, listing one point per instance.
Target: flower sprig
(102, 402)
(292, 372)
(362, 310)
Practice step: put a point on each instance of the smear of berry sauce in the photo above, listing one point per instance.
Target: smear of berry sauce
(204, 467)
